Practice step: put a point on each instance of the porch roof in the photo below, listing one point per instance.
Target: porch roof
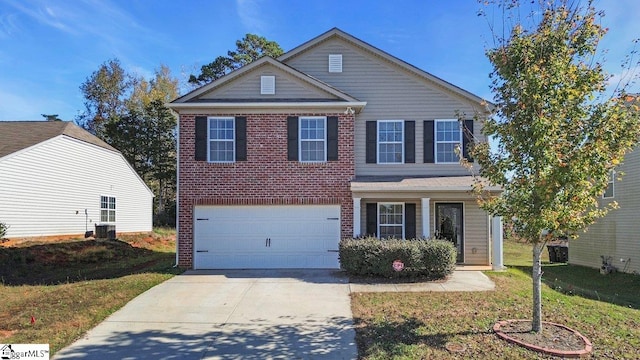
(410, 184)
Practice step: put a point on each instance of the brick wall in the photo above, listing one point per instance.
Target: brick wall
(266, 178)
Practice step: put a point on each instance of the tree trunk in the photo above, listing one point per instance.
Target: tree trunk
(536, 323)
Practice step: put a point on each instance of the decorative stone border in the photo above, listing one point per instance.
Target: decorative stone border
(588, 347)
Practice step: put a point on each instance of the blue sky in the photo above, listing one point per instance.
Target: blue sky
(48, 48)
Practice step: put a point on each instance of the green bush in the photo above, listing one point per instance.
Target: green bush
(3, 229)
(432, 259)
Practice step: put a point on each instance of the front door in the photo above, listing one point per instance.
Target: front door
(449, 226)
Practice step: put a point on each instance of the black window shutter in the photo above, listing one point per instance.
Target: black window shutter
(429, 142)
(292, 138)
(201, 138)
(241, 138)
(409, 141)
(372, 219)
(332, 138)
(467, 140)
(409, 221)
(372, 139)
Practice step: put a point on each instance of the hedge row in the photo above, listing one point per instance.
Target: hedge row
(432, 259)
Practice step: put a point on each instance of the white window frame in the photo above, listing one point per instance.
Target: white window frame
(612, 182)
(436, 142)
(267, 85)
(111, 212)
(301, 140)
(378, 142)
(380, 224)
(210, 140)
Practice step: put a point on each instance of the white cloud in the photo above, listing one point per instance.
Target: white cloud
(8, 25)
(251, 15)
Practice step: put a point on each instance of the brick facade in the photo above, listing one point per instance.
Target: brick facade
(266, 178)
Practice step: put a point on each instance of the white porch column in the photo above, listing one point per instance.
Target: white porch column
(496, 248)
(356, 217)
(426, 231)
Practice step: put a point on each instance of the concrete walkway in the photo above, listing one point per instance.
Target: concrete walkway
(244, 314)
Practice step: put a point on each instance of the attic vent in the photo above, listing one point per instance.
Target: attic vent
(335, 63)
(267, 85)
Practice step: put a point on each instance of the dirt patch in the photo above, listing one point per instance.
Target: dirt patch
(6, 333)
(552, 339)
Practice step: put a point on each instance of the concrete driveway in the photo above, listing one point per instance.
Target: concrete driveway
(243, 314)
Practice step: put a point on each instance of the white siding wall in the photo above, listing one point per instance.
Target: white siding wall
(618, 234)
(45, 190)
(390, 93)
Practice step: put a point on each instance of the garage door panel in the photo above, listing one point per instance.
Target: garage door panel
(236, 237)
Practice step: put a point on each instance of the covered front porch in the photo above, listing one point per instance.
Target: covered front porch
(428, 207)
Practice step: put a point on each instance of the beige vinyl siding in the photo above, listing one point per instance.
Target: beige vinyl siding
(391, 92)
(45, 189)
(617, 234)
(477, 241)
(248, 87)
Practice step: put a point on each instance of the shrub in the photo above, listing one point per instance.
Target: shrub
(432, 259)
(3, 229)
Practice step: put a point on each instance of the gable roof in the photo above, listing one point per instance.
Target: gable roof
(337, 33)
(191, 99)
(18, 135)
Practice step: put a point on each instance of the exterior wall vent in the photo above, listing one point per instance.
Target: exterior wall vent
(267, 85)
(335, 63)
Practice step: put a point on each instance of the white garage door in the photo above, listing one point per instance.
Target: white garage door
(264, 237)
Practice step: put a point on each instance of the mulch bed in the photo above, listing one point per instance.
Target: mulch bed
(553, 339)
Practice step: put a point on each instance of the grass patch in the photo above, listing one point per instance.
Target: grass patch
(70, 286)
(421, 325)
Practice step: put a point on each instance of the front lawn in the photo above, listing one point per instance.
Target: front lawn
(424, 325)
(53, 292)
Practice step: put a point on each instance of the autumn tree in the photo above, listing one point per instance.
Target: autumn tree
(145, 134)
(250, 48)
(105, 92)
(558, 135)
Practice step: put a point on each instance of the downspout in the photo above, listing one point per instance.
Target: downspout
(177, 189)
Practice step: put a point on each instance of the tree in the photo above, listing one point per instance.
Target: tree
(145, 135)
(105, 92)
(250, 48)
(51, 117)
(558, 138)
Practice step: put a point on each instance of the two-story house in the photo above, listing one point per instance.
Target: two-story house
(282, 158)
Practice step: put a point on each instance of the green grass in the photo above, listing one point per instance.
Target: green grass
(420, 325)
(70, 286)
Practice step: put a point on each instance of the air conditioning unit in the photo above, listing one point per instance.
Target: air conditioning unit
(106, 232)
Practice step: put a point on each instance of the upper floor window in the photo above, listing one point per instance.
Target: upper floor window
(610, 190)
(313, 139)
(448, 137)
(221, 139)
(390, 142)
(107, 209)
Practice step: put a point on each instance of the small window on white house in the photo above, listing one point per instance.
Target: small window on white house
(267, 85)
(313, 139)
(107, 209)
(391, 220)
(610, 191)
(335, 63)
(448, 137)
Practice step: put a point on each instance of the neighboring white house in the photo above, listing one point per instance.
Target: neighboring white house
(58, 179)
(616, 237)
